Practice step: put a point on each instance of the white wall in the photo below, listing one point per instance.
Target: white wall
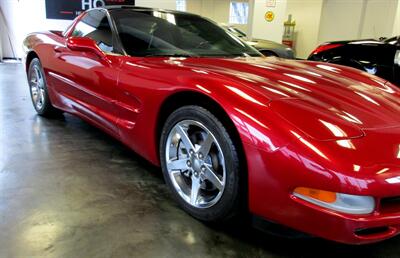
(258, 27)
(357, 19)
(307, 14)
(340, 19)
(3, 35)
(262, 29)
(23, 17)
(216, 10)
(165, 4)
(379, 18)
(396, 25)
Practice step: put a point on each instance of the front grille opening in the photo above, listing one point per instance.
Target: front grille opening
(371, 231)
(390, 204)
(390, 200)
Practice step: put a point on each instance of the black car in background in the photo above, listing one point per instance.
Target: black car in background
(379, 57)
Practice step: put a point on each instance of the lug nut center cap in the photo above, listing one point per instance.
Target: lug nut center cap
(197, 164)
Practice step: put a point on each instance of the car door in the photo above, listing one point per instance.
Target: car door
(87, 82)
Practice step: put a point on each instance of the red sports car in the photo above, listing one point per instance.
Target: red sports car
(309, 145)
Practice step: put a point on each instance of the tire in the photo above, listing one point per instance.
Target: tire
(38, 90)
(185, 170)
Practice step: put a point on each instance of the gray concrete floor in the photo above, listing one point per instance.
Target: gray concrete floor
(69, 190)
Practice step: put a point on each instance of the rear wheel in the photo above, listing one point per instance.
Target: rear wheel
(200, 164)
(38, 89)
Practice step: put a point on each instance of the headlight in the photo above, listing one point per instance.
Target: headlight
(317, 122)
(346, 203)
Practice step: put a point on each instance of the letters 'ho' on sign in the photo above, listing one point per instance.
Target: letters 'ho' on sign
(69, 9)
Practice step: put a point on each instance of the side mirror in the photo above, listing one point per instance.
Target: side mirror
(84, 45)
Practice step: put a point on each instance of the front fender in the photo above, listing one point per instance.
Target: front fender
(256, 123)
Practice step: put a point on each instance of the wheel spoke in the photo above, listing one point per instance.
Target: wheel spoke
(41, 83)
(37, 73)
(34, 90)
(194, 195)
(175, 174)
(185, 138)
(41, 94)
(206, 145)
(213, 178)
(179, 164)
(40, 98)
(34, 98)
(36, 77)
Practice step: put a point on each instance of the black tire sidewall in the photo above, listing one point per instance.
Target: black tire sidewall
(228, 204)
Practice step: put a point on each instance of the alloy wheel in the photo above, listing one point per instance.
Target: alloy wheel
(36, 82)
(195, 164)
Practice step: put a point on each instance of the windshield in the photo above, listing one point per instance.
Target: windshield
(392, 41)
(157, 33)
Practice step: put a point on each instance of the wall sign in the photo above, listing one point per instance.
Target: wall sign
(269, 16)
(271, 3)
(69, 9)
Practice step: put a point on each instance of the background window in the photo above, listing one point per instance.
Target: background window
(181, 5)
(239, 12)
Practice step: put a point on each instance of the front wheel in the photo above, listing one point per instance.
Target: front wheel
(200, 164)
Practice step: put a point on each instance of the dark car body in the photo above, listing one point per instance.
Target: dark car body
(378, 57)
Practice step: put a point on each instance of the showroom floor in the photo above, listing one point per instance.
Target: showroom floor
(69, 190)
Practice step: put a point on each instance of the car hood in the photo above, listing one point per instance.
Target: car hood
(340, 94)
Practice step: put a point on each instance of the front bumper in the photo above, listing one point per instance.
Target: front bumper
(335, 227)
(272, 178)
(348, 229)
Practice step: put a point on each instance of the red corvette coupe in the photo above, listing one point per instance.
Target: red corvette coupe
(309, 145)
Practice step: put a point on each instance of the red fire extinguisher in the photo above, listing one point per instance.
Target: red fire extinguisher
(288, 34)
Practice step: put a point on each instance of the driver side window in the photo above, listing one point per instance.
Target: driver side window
(95, 25)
